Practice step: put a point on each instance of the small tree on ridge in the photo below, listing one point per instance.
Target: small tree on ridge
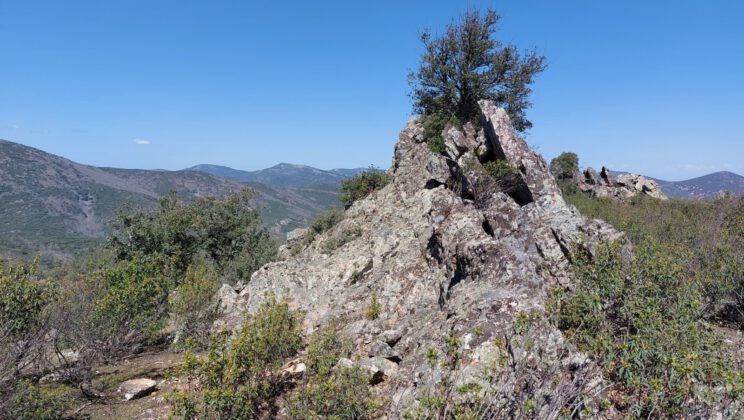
(467, 64)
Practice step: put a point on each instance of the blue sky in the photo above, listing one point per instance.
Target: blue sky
(648, 86)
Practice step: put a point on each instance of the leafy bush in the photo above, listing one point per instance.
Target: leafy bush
(227, 230)
(565, 165)
(321, 224)
(362, 185)
(467, 64)
(434, 126)
(238, 379)
(498, 176)
(193, 305)
(329, 390)
(647, 320)
(22, 299)
(29, 401)
(641, 319)
(130, 301)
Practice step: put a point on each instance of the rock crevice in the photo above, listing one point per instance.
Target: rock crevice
(445, 263)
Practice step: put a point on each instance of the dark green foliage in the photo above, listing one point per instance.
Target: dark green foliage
(328, 390)
(505, 175)
(467, 64)
(648, 320)
(193, 305)
(238, 379)
(362, 185)
(30, 401)
(22, 299)
(434, 126)
(565, 166)
(227, 230)
(321, 224)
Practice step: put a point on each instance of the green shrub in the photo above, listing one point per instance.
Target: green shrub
(565, 166)
(642, 319)
(498, 176)
(227, 230)
(193, 305)
(362, 185)
(130, 300)
(320, 225)
(30, 401)
(329, 390)
(434, 126)
(374, 308)
(22, 299)
(239, 379)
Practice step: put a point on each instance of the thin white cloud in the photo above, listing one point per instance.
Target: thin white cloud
(142, 142)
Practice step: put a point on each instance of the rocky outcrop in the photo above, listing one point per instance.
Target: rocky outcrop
(624, 187)
(456, 271)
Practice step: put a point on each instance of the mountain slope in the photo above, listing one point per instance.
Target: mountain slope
(283, 175)
(705, 186)
(58, 207)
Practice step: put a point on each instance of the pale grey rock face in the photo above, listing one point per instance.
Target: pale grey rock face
(641, 185)
(626, 186)
(137, 388)
(447, 268)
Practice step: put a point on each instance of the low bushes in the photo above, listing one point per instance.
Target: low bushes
(242, 378)
(362, 185)
(238, 379)
(649, 320)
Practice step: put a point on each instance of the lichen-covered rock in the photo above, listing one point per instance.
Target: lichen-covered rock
(137, 388)
(626, 186)
(462, 279)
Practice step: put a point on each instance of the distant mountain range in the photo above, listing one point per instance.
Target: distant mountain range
(52, 205)
(706, 186)
(282, 175)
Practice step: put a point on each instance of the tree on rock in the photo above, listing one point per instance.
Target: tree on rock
(467, 64)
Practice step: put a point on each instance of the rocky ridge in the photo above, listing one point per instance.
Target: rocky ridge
(624, 187)
(462, 277)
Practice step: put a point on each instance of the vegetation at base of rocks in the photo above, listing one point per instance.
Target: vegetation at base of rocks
(362, 185)
(504, 174)
(239, 378)
(225, 230)
(320, 225)
(434, 125)
(328, 389)
(658, 322)
(193, 306)
(374, 308)
(467, 64)
(341, 239)
(565, 166)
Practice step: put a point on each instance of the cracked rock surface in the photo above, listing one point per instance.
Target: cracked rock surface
(446, 265)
